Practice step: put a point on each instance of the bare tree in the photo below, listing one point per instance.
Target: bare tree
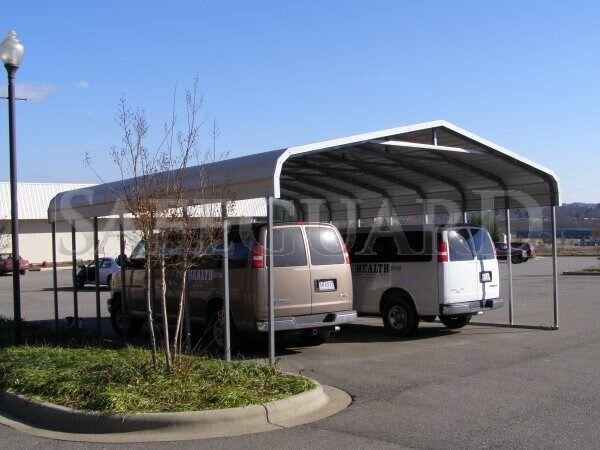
(141, 200)
(167, 205)
(5, 237)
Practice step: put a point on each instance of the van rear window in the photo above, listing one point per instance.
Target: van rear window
(409, 246)
(288, 247)
(460, 248)
(325, 246)
(468, 243)
(482, 244)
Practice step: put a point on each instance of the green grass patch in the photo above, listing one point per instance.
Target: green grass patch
(119, 380)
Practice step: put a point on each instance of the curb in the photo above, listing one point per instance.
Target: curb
(46, 269)
(585, 274)
(58, 422)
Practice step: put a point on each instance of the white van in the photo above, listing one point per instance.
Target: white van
(416, 273)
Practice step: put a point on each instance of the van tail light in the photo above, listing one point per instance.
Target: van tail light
(442, 252)
(346, 254)
(258, 257)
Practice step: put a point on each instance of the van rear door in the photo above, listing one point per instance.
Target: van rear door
(290, 272)
(330, 277)
(460, 274)
(489, 284)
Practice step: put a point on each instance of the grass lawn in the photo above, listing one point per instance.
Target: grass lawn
(122, 380)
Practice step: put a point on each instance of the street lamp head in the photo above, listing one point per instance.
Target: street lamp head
(11, 50)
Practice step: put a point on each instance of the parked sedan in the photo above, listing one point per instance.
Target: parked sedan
(87, 274)
(6, 264)
(529, 248)
(517, 255)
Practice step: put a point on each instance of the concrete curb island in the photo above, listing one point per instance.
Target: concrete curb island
(584, 274)
(58, 422)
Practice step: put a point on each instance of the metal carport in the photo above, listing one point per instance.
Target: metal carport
(411, 170)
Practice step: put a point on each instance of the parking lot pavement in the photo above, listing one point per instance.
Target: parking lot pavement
(478, 387)
(37, 297)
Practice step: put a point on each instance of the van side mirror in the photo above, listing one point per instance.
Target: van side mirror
(122, 259)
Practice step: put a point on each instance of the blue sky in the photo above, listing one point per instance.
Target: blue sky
(525, 75)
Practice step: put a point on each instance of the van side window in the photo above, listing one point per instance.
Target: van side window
(408, 246)
(139, 252)
(325, 247)
(238, 253)
(482, 244)
(458, 241)
(288, 247)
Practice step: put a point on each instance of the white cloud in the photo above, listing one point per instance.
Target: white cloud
(30, 91)
(82, 85)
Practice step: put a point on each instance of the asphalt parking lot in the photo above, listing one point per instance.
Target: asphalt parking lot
(479, 387)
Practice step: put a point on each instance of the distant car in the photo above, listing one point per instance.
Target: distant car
(87, 274)
(517, 255)
(6, 264)
(529, 248)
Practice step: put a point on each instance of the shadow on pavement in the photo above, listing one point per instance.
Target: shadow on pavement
(87, 288)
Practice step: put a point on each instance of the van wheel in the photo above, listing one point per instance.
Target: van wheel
(80, 284)
(117, 319)
(316, 339)
(516, 259)
(399, 317)
(216, 330)
(454, 322)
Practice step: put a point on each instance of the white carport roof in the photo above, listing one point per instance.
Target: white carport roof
(434, 162)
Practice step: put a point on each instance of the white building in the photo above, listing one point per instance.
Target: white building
(35, 237)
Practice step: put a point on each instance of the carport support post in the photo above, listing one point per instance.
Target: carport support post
(54, 275)
(554, 267)
(271, 305)
(97, 278)
(74, 274)
(509, 263)
(226, 281)
(122, 262)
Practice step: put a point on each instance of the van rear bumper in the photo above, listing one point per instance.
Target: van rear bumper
(471, 307)
(309, 321)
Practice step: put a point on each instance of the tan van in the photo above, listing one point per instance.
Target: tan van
(312, 280)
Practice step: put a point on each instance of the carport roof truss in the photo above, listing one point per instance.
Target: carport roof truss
(407, 165)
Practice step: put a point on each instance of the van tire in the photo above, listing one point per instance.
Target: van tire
(116, 319)
(317, 339)
(400, 317)
(516, 259)
(455, 322)
(216, 330)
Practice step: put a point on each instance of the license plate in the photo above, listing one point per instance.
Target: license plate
(326, 285)
(485, 277)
